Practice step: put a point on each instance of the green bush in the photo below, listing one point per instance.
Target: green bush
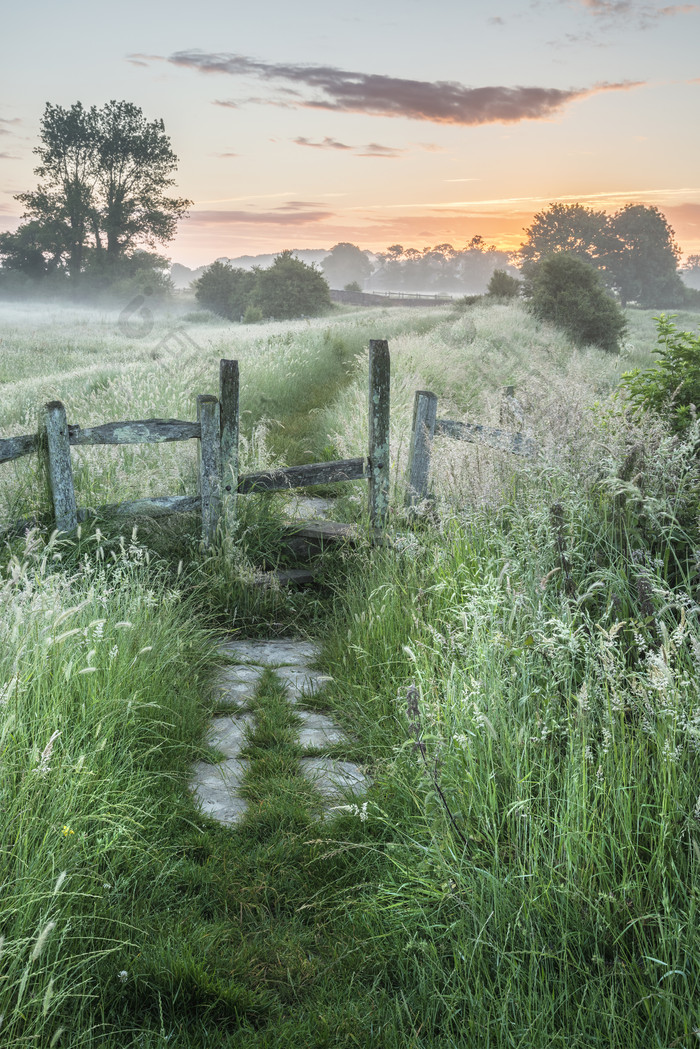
(568, 291)
(503, 286)
(290, 288)
(225, 290)
(252, 315)
(671, 389)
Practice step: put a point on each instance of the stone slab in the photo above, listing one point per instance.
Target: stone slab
(300, 681)
(216, 788)
(278, 653)
(318, 730)
(236, 685)
(333, 778)
(227, 733)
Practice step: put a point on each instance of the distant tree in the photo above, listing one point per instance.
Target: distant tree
(346, 263)
(645, 260)
(579, 231)
(568, 291)
(690, 272)
(104, 175)
(225, 290)
(290, 288)
(503, 286)
(35, 249)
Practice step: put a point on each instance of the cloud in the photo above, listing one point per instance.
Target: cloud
(327, 143)
(373, 149)
(441, 102)
(139, 59)
(643, 14)
(6, 124)
(8, 156)
(496, 20)
(224, 156)
(279, 217)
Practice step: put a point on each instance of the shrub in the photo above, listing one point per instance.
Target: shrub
(671, 389)
(252, 315)
(503, 286)
(290, 288)
(225, 290)
(568, 291)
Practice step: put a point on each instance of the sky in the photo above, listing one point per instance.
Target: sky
(299, 125)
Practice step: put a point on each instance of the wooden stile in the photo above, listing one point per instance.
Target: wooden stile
(379, 408)
(209, 418)
(55, 447)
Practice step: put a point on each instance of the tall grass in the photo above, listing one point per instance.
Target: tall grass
(517, 670)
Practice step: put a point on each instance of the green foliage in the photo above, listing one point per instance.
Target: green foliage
(566, 290)
(252, 315)
(503, 286)
(672, 388)
(225, 290)
(288, 288)
(291, 288)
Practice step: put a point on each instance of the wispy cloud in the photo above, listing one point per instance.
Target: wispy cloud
(225, 156)
(441, 102)
(279, 217)
(8, 156)
(8, 125)
(326, 143)
(642, 15)
(373, 149)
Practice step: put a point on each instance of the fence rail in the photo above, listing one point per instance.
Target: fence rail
(217, 430)
(426, 426)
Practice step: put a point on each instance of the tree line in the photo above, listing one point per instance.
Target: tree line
(103, 205)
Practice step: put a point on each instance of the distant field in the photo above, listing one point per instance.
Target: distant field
(82, 357)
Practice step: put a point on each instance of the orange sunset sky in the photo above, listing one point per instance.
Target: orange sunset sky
(301, 125)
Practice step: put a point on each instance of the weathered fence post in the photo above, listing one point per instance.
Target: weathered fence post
(422, 433)
(379, 371)
(209, 419)
(53, 434)
(230, 429)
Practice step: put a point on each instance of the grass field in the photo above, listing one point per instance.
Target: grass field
(518, 672)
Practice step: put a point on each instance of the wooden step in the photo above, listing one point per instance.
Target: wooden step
(309, 538)
(285, 577)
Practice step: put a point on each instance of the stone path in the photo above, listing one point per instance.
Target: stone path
(217, 786)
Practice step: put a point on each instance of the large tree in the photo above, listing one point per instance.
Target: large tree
(572, 228)
(634, 249)
(103, 181)
(645, 264)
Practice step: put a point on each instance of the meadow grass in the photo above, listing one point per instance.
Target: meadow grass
(517, 670)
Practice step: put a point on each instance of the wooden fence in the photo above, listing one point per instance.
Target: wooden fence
(426, 426)
(217, 429)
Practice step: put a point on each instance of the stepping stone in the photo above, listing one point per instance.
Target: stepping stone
(284, 652)
(216, 788)
(227, 734)
(236, 685)
(308, 507)
(300, 681)
(318, 730)
(333, 778)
